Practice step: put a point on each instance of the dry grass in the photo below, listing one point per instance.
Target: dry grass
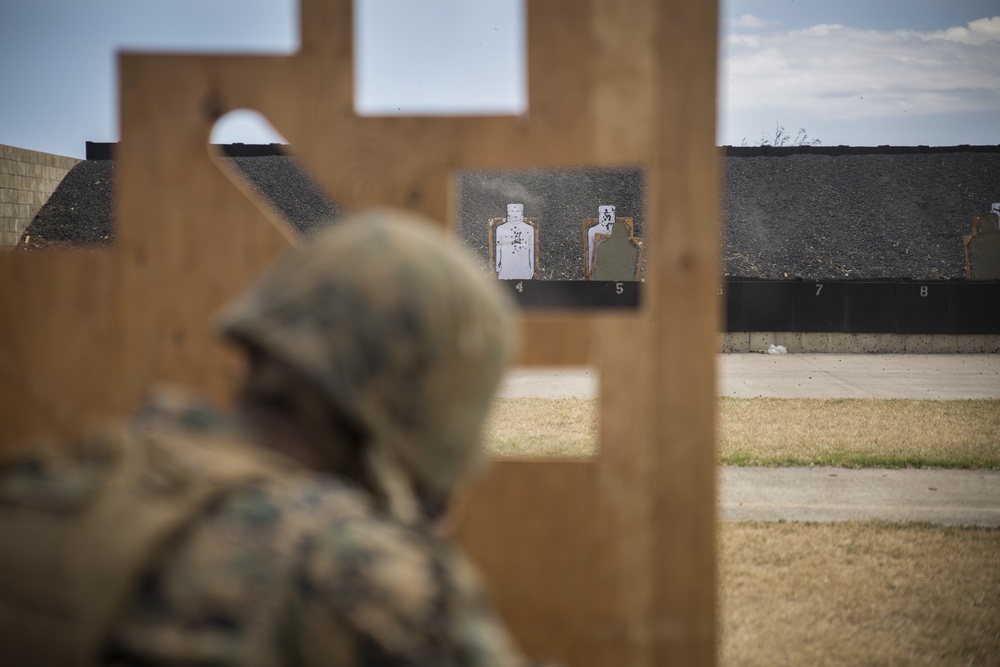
(858, 594)
(829, 594)
(771, 431)
(860, 432)
(549, 427)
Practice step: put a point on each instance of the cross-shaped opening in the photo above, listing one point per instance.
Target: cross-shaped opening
(440, 58)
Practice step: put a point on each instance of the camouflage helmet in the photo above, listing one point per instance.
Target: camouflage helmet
(399, 327)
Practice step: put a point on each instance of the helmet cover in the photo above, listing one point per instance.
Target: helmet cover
(401, 329)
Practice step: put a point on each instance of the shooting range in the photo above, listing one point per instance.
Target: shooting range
(609, 561)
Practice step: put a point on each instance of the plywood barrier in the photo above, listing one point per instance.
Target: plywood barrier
(605, 562)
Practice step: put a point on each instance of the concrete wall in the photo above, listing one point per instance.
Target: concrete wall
(858, 343)
(27, 179)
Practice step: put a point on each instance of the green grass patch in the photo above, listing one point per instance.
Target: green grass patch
(849, 460)
(859, 433)
(850, 433)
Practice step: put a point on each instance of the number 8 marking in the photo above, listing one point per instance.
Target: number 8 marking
(923, 290)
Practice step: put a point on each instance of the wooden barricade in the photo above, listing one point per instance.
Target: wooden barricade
(602, 562)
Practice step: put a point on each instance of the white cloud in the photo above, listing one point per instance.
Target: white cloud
(834, 71)
(750, 22)
(977, 32)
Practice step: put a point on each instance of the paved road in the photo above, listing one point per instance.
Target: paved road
(927, 376)
(833, 494)
(956, 497)
(550, 383)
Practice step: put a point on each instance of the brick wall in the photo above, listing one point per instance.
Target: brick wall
(27, 178)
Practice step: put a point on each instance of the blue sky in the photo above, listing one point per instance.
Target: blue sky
(899, 72)
(861, 72)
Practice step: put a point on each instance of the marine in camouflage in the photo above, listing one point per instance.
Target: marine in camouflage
(304, 570)
(399, 327)
(382, 344)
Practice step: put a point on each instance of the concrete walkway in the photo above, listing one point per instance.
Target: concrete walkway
(956, 497)
(927, 376)
(550, 383)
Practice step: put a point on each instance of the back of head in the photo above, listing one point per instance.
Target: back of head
(401, 330)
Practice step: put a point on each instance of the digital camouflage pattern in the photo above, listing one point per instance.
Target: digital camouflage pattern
(274, 563)
(399, 326)
(81, 521)
(304, 570)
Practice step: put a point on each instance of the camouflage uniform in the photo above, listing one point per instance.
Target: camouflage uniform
(306, 570)
(289, 566)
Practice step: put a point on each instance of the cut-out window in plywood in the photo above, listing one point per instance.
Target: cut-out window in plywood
(545, 413)
(525, 225)
(440, 58)
(270, 174)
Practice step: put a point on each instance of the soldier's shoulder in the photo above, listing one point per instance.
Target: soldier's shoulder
(220, 588)
(387, 592)
(176, 410)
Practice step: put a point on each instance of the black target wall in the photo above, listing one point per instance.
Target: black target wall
(816, 239)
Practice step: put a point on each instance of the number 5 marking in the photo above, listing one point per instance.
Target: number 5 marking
(618, 288)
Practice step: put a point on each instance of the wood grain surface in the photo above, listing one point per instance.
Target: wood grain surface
(603, 562)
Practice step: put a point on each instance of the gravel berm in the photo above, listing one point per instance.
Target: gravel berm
(884, 214)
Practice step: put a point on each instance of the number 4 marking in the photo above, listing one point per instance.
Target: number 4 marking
(519, 286)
